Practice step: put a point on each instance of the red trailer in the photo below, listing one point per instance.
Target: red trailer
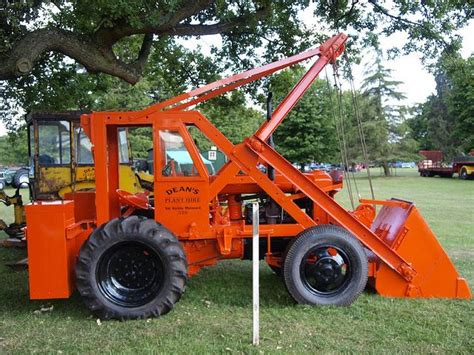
(433, 165)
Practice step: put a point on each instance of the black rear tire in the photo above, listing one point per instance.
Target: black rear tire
(463, 174)
(131, 268)
(325, 265)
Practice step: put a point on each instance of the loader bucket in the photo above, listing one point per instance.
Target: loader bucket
(404, 230)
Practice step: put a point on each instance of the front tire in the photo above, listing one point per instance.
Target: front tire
(325, 265)
(131, 268)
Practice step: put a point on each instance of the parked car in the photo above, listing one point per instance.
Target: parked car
(2, 181)
(7, 175)
(403, 164)
(21, 178)
(5, 178)
(15, 177)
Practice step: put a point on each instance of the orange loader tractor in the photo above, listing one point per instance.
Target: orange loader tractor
(130, 255)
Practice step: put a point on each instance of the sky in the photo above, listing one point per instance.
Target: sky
(417, 82)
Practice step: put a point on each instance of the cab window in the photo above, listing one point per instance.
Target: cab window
(83, 148)
(54, 143)
(123, 146)
(31, 137)
(176, 160)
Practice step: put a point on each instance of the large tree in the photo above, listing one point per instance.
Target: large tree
(382, 117)
(445, 120)
(87, 30)
(72, 54)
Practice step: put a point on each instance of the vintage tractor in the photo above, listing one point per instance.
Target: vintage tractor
(131, 257)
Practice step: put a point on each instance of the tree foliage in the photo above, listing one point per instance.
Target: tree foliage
(232, 116)
(446, 120)
(387, 134)
(308, 133)
(54, 55)
(14, 148)
(83, 55)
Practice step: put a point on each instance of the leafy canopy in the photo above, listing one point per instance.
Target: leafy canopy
(66, 54)
(446, 120)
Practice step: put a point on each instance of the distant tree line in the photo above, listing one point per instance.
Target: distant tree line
(325, 123)
(446, 120)
(14, 148)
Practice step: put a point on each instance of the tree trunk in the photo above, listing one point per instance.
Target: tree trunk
(386, 168)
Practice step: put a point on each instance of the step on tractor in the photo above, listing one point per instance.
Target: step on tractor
(130, 256)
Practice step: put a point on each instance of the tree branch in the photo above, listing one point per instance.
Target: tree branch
(399, 18)
(108, 36)
(142, 59)
(95, 52)
(221, 27)
(139, 65)
(395, 17)
(346, 14)
(21, 59)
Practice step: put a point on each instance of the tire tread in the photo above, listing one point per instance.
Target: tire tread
(115, 231)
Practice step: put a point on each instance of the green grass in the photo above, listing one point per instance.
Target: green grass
(214, 316)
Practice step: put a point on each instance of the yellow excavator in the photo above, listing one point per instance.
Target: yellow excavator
(61, 161)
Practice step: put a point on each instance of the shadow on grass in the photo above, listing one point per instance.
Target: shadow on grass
(227, 284)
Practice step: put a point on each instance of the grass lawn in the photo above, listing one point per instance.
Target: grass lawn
(214, 316)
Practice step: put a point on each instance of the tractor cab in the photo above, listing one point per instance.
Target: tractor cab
(61, 156)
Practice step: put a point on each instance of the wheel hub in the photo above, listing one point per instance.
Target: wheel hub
(130, 274)
(132, 270)
(325, 270)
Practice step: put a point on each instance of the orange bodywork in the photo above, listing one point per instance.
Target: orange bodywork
(206, 213)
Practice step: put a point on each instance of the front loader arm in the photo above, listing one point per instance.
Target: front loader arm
(327, 52)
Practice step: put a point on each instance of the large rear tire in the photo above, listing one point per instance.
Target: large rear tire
(325, 265)
(131, 268)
